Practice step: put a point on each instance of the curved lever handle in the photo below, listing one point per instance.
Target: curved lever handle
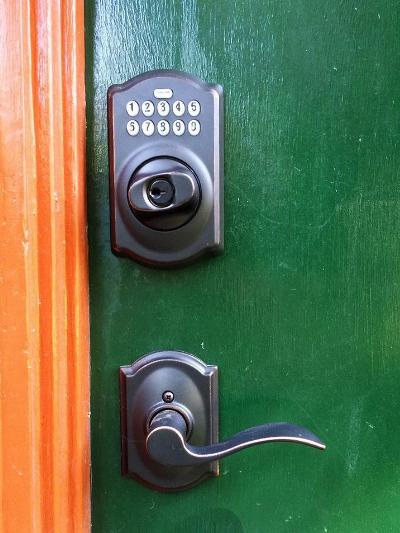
(166, 441)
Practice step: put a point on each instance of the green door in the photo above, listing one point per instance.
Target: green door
(302, 311)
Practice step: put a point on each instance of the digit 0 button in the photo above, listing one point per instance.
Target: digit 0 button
(194, 127)
(163, 127)
(148, 128)
(194, 108)
(178, 127)
(132, 108)
(132, 128)
(148, 108)
(163, 108)
(178, 108)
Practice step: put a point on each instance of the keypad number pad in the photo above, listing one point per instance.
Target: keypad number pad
(163, 109)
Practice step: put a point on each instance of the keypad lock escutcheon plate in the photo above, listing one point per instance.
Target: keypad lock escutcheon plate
(166, 168)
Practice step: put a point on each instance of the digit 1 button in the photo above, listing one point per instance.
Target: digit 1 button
(163, 127)
(148, 127)
(178, 127)
(148, 108)
(194, 127)
(132, 128)
(163, 108)
(132, 108)
(194, 108)
(178, 108)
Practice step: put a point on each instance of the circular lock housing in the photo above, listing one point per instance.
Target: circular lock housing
(164, 193)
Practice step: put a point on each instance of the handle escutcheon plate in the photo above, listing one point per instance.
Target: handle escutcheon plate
(195, 388)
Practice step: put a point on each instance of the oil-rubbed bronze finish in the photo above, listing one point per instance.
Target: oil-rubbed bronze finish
(173, 445)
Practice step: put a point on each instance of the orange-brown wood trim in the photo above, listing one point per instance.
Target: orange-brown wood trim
(44, 344)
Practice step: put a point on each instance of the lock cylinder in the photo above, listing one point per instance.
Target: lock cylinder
(164, 194)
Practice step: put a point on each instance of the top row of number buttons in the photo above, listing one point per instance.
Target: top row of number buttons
(178, 108)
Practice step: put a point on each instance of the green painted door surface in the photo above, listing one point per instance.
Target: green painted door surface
(302, 311)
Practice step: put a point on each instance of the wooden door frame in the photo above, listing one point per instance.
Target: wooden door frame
(44, 333)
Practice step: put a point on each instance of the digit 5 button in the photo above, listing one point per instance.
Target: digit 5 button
(194, 108)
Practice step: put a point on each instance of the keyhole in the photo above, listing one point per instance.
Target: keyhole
(161, 192)
(156, 192)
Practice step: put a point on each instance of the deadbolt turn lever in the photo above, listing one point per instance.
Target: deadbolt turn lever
(166, 441)
(164, 194)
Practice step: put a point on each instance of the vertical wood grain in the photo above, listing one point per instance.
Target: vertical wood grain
(44, 356)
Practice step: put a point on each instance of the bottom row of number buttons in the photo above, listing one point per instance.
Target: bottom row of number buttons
(178, 127)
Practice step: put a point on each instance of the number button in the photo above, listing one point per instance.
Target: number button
(163, 127)
(132, 128)
(194, 127)
(194, 108)
(148, 108)
(178, 127)
(132, 108)
(148, 127)
(163, 108)
(178, 108)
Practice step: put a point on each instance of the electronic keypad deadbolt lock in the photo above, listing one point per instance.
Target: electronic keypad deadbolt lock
(170, 419)
(166, 168)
